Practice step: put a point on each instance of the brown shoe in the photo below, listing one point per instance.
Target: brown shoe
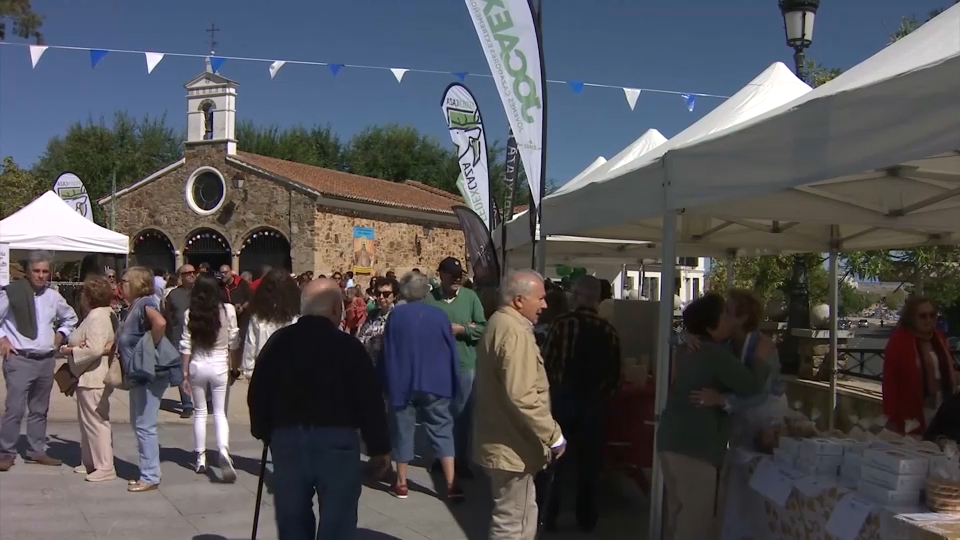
(7, 461)
(140, 486)
(43, 459)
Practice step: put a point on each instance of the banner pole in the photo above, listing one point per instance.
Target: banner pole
(541, 247)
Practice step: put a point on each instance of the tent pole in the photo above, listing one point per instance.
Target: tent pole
(731, 271)
(668, 274)
(834, 311)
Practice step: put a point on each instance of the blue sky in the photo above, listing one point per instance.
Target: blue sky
(682, 45)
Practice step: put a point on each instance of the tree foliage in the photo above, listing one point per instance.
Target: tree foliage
(318, 145)
(26, 23)
(18, 187)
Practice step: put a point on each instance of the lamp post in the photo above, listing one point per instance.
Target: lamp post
(798, 18)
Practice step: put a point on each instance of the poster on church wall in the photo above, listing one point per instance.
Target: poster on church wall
(70, 188)
(4, 265)
(363, 250)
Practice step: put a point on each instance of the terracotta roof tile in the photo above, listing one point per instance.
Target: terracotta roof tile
(355, 187)
(436, 191)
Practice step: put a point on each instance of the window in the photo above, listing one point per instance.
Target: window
(205, 191)
(207, 109)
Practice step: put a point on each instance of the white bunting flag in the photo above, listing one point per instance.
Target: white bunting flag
(275, 67)
(36, 51)
(399, 73)
(632, 95)
(153, 58)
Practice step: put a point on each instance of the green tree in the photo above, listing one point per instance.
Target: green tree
(19, 186)
(315, 146)
(852, 301)
(26, 22)
(129, 148)
(401, 153)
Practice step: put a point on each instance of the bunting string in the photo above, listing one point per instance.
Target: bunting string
(153, 59)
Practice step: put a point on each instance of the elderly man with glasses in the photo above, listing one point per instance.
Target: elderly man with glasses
(174, 306)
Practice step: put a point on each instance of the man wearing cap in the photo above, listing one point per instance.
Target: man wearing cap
(174, 308)
(465, 311)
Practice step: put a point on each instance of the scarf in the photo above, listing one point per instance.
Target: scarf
(927, 368)
(21, 296)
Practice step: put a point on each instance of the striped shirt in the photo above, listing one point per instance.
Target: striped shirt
(582, 354)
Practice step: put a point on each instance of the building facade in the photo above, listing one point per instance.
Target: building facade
(221, 205)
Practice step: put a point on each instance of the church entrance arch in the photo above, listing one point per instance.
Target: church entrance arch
(207, 246)
(265, 247)
(152, 248)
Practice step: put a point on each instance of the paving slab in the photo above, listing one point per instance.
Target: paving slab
(54, 503)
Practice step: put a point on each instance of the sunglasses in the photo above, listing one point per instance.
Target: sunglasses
(383, 294)
(188, 273)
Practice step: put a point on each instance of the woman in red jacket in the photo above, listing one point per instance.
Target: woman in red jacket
(918, 368)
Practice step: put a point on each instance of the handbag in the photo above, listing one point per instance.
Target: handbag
(66, 380)
(114, 377)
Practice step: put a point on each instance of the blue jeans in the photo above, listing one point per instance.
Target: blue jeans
(144, 408)
(186, 400)
(462, 409)
(436, 419)
(321, 461)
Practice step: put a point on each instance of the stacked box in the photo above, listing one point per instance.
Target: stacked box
(786, 451)
(819, 456)
(850, 469)
(893, 476)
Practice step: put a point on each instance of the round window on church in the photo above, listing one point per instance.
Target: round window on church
(205, 191)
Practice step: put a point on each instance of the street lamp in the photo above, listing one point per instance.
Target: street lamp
(798, 17)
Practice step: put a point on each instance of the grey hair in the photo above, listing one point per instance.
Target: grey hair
(39, 257)
(518, 283)
(414, 286)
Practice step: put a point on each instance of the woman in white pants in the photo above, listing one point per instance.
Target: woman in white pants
(209, 345)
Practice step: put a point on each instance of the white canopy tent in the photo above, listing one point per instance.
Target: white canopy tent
(793, 172)
(876, 149)
(48, 223)
(618, 195)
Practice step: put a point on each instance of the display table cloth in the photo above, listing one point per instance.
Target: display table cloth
(749, 515)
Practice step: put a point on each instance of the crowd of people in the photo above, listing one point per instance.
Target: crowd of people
(336, 366)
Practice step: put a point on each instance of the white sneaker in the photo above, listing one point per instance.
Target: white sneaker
(226, 465)
(201, 465)
(80, 469)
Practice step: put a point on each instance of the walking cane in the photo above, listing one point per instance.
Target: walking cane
(263, 472)
(545, 483)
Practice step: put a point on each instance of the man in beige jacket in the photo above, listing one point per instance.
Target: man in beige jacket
(515, 436)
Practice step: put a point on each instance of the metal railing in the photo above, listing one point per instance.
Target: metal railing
(868, 363)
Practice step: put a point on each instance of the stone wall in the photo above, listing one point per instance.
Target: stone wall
(162, 205)
(394, 241)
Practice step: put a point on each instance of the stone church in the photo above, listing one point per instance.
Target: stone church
(221, 205)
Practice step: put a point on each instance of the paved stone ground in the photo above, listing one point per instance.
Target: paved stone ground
(45, 503)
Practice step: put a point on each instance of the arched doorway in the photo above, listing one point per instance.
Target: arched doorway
(207, 246)
(264, 247)
(152, 248)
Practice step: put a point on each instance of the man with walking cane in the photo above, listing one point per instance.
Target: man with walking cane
(312, 389)
(515, 435)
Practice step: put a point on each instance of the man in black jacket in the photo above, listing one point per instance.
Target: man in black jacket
(313, 388)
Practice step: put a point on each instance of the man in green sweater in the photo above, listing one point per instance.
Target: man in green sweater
(465, 312)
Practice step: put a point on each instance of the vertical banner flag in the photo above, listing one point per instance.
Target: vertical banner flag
(466, 130)
(480, 249)
(4, 265)
(511, 171)
(70, 188)
(509, 39)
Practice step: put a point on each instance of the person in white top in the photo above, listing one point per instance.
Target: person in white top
(275, 304)
(209, 347)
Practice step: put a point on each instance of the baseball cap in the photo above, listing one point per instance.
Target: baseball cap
(451, 265)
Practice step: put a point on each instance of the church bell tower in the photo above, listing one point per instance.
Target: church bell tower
(211, 109)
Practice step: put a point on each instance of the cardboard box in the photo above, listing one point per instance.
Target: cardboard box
(896, 461)
(852, 459)
(886, 496)
(810, 448)
(822, 462)
(790, 445)
(783, 457)
(850, 472)
(936, 457)
(896, 482)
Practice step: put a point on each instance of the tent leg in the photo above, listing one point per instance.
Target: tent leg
(834, 311)
(668, 273)
(731, 272)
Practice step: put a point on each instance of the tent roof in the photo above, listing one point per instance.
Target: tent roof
(620, 194)
(48, 223)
